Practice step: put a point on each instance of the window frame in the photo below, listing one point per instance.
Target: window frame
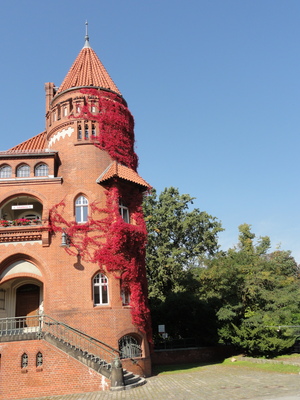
(21, 169)
(124, 212)
(5, 171)
(41, 167)
(100, 287)
(82, 207)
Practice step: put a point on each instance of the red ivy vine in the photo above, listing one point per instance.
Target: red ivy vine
(116, 125)
(108, 241)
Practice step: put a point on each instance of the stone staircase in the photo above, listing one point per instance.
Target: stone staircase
(90, 351)
(129, 380)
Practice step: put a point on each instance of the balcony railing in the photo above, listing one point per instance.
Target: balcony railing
(4, 223)
(16, 326)
(13, 231)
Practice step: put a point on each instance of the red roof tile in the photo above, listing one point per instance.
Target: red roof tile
(120, 171)
(36, 143)
(87, 70)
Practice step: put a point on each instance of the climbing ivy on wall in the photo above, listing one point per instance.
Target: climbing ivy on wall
(116, 125)
(106, 239)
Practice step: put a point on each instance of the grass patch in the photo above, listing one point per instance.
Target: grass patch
(264, 366)
(287, 356)
(268, 367)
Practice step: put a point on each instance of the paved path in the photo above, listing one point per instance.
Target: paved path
(214, 382)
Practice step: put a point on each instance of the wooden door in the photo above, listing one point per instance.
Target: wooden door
(27, 303)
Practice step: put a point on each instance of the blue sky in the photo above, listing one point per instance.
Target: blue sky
(213, 86)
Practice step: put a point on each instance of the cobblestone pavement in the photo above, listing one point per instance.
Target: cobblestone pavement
(213, 382)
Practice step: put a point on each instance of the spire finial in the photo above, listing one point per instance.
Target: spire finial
(87, 43)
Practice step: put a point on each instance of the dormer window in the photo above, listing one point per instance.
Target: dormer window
(5, 171)
(23, 171)
(124, 212)
(41, 170)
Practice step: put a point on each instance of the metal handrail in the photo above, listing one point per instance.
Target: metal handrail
(40, 325)
(79, 340)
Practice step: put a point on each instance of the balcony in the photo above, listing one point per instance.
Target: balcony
(22, 230)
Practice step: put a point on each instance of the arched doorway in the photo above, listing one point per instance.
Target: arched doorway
(27, 303)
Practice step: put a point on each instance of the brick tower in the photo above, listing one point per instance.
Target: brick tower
(73, 292)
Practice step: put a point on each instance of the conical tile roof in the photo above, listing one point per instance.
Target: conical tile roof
(88, 70)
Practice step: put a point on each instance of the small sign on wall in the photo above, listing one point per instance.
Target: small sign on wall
(22, 207)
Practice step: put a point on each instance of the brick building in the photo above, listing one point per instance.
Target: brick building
(73, 293)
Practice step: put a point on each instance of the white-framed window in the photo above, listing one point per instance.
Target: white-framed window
(23, 171)
(124, 212)
(65, 111)
(41, 170)
(81, 209)
(100, 289)
(5, 171)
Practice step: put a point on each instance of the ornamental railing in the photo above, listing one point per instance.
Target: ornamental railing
(38, 326)
(79, 340)
(20, 326)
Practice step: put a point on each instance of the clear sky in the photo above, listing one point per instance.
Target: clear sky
(213, 86)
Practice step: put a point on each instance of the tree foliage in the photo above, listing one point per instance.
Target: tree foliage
(253, 294)
(177, 236)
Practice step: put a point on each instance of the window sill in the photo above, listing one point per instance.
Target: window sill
(107, 306)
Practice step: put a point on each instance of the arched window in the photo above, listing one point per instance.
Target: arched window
(41, 170)
(124, 212)
(79, 133)
(100, 289)
(23, 171)
(129, 347)
(125, 296)
(86, 131)
(5, 171)
(24, 360)
(81, 209)
(93, 130)
(39, 359)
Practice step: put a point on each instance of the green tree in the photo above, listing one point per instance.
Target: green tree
(177, 236)
(253, 293)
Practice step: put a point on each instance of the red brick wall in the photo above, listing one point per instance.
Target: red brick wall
(60, 374)
(200, 355)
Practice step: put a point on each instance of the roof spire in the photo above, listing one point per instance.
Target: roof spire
(87, 43)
